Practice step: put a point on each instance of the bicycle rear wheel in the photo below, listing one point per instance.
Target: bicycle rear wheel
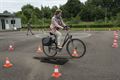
(76, 48)
(51, 50)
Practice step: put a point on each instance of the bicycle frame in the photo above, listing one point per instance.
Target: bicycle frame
(69, 42)
(67, 37)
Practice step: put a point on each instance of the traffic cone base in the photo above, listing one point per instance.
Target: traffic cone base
(115, 45)
(11, 48)
(116, 34)
(56, 74)
(75, 54)
(116, 37)
(39, 50)
(7, 63)
(115, 41)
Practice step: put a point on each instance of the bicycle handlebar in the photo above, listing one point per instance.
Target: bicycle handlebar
(66, 28)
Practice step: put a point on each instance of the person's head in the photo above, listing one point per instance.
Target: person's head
(58, 13)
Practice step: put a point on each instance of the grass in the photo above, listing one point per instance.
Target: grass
(96, 29)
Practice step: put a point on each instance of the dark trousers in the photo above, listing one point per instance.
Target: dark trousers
(29, 30)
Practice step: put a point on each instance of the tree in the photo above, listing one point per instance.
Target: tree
(38, 13)
(27, 10)
(54, 8)
(23, 19)
(117, 21)
(110, 7)
(18, 14)
(34, 19)
(46, 12)
(6, 12)
(71, 8)
(92, 13)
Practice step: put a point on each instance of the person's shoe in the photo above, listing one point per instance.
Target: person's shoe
(60, 47)
(32, 34)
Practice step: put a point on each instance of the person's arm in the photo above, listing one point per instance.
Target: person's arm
(56, 24)
(63, 22)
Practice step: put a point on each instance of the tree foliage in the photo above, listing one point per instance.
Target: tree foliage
(74, 10)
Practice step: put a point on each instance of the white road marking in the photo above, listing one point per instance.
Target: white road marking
(75, 35)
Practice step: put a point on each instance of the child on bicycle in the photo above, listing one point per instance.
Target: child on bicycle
(57, 24)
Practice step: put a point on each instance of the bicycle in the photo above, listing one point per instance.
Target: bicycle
(73, 46)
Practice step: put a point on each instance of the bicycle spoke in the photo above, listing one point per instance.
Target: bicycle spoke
(76, 48)
(50, 50)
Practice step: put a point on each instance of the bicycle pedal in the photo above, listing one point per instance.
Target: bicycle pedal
(59, 49)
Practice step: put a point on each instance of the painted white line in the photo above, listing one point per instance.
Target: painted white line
(75, 35)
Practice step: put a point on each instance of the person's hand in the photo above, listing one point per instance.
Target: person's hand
(66, 28)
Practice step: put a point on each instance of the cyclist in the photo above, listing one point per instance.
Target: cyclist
(57, 24)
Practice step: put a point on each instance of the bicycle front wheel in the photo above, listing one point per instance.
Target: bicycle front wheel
(76, 48)
(51, 50)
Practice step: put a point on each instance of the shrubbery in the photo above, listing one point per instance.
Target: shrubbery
(102, 25)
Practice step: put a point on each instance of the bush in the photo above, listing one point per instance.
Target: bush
(102, 25)
(77, 26)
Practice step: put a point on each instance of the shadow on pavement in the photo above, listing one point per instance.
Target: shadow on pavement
(53, 60)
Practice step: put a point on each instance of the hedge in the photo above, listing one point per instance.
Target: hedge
(76, 26)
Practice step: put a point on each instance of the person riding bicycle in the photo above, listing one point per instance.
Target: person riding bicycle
(57, 24)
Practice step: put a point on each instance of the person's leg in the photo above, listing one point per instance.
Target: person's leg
(31, 31)
(27, 31)
(59, 36)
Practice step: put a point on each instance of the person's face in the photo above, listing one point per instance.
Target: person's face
(59, 15)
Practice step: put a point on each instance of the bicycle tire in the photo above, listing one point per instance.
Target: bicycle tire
(52, 54)
(79, 42)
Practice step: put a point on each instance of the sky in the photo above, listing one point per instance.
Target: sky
(15, 5)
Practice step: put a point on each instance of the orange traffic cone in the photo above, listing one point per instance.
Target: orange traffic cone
(7, 63)
(116, 37)
(39, 50)
(115, 41)
(75, 54)
(115, 44)
(115, 32)
(56, 73)
(11, 48)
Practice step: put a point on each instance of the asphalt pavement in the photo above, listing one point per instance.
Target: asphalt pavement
(101, 61)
